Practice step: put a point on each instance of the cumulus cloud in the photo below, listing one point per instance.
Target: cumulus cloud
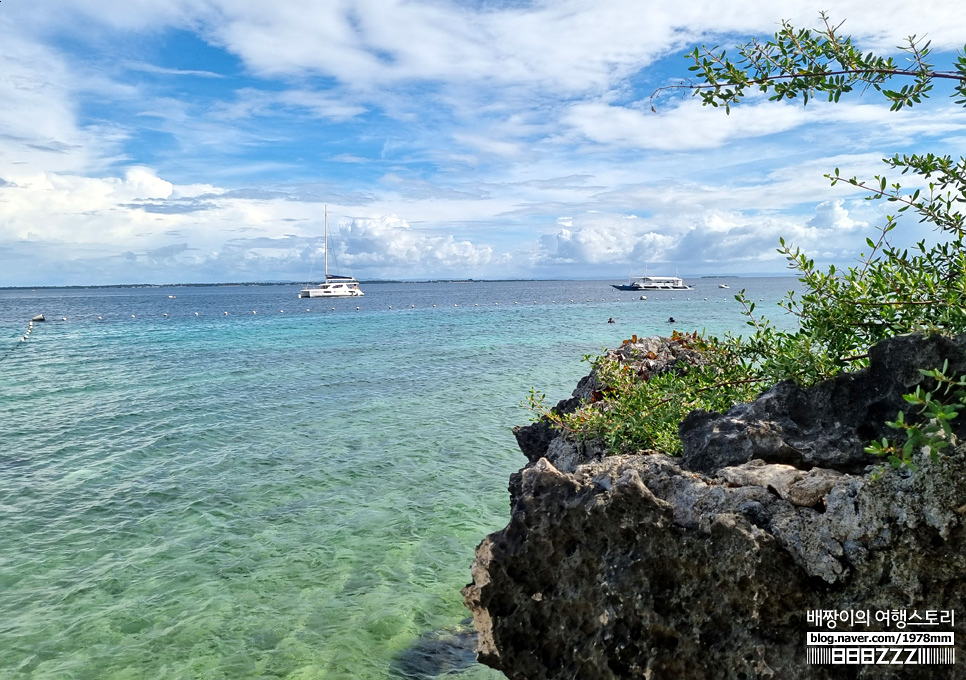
(607, 239)
(711, 240)
(389, 247)
(830, 215)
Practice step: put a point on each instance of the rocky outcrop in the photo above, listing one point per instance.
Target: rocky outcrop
(706, 566)
(826, 426)
(645, 356)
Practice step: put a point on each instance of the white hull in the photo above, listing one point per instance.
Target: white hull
(654, 283)
(329, 290)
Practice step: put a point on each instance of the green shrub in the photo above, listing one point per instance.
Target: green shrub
(840, 312)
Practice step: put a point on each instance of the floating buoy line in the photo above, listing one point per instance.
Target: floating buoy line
(26, 336)
(226, 313)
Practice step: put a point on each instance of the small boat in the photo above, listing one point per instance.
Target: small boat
(723, 285)
(637, 283)
(334, 285)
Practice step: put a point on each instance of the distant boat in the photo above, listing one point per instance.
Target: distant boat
(637, 283)
(334, 285)
(723, 285)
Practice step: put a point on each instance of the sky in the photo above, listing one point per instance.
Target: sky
(198, 141)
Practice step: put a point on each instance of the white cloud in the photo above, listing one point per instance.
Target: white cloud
(568, 45)
(685, 126)
(250, 102)
(510, 138)
(389, 247)
(38, 114)
(830, 215)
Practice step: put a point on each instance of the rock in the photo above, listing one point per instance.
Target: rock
(826, 426)
(705, 567)
(534, 439)
(436, 654)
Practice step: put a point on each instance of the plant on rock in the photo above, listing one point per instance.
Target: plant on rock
(840, 312)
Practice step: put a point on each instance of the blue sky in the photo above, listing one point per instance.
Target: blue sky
(197, 141)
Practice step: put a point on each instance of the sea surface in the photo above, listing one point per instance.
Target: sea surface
(230, 482)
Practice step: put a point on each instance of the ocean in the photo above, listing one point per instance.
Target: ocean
(229, 482)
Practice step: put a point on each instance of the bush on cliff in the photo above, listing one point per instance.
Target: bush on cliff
(841, 312)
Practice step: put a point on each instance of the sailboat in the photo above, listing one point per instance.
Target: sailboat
(334, 285)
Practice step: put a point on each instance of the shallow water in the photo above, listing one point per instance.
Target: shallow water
(293, 493)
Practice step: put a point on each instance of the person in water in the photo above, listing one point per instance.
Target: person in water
(611, 320)
(670, 319)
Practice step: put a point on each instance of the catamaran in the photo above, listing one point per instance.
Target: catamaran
(334, 285)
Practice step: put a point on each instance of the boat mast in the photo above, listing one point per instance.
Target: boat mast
(325, 209)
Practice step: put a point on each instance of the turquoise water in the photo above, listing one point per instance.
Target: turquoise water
(291, 493)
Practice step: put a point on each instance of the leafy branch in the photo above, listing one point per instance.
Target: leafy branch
(929, 428)
(806, 62)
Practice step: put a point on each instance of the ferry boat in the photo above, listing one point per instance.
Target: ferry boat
(334, 285)
(637, 283)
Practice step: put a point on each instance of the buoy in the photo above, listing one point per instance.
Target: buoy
(253, 311)
(281, 311)
(643, 297)
(165, 313)
(100, 317)
(390, 306)
(413, 306)
(38, 318)
(434, 305)
(196, 313)
(357, 308)
(63, 318)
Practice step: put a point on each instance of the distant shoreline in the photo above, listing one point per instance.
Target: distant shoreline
(362, 282)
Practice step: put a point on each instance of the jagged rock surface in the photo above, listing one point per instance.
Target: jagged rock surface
(825, 426)
(704, 567)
